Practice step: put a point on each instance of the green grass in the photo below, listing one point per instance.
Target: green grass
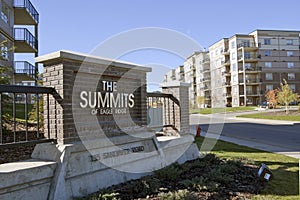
(20, 110)
(274, 117)
(219, 110)
(284, 185)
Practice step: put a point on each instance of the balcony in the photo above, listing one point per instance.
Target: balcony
(251, 81)
(254, 69)
(25, 69)
(225, 63)
(228, 95)
(226, 73)
(247, 45)
(206, 79)
(206, 69)
(25, 13)
(253, 93)
(25, 42)
(205, 61)
(227, 84)
(226, 52)
(252, 58)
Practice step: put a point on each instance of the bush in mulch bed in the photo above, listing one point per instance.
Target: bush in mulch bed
(205, 178)
(16, 153)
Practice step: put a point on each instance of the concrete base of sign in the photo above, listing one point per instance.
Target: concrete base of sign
(76, 170)
(30, 179)
(83, 169)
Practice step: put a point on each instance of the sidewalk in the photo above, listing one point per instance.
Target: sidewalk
(265, 121)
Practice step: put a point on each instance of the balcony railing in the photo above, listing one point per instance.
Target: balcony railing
(226, 73)
(24, 67)
(206, 69)
(253, 93)
(251, 69)
(29, 7)
(206, 60)
(247, 44)
(251, 57)
(227, 62)
(207, 78)
(24, 35)
(250, 80)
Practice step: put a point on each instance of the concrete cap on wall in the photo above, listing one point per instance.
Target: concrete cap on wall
(174, 84)
(80, 57)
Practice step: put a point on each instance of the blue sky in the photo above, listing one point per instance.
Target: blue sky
(82, 25)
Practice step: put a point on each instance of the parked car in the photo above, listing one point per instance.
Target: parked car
(294, 103)
(263, 104)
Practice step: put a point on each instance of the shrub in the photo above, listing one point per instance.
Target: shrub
(170, 173)
(178, 195)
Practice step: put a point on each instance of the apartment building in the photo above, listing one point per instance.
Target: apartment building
(195, 71)
(238, 71)
(19, 27)
(258, 62)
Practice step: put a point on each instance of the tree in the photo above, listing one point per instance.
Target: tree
(286, 95)
(271, 98)
(4, 70)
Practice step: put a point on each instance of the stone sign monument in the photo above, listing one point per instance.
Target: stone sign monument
(99, 117)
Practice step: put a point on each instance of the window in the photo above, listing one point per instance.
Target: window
(233, 56)
(247, 55)
(267, 53)
(267, 41)
(289, 42)
(269, 76)
(289, 53)
(290, 65)
(233, 67)
(293, 87)
(269, 87)
(232, 45)
(221, 50)
(247, 66)
(268, 64)
(234, 79)
(291, 76)
(5, 13)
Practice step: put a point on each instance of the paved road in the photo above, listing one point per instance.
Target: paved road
(271, 135)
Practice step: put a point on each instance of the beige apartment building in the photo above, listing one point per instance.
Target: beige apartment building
(19, 27)
(238, 71)
(196, 71)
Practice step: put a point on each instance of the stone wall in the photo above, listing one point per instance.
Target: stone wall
(71, 73)
(180, 91)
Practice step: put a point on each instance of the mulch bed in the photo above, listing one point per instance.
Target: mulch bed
(18, 152)
(206, 178)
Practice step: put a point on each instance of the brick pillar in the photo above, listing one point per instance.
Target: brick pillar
(180, 91)
(60, 71)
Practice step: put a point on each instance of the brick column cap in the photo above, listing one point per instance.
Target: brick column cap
(174, 84)
(80, 57)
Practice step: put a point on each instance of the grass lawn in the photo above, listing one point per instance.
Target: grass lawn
(20, 110)
(289, 117)
(219, 110)
(284, 185)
